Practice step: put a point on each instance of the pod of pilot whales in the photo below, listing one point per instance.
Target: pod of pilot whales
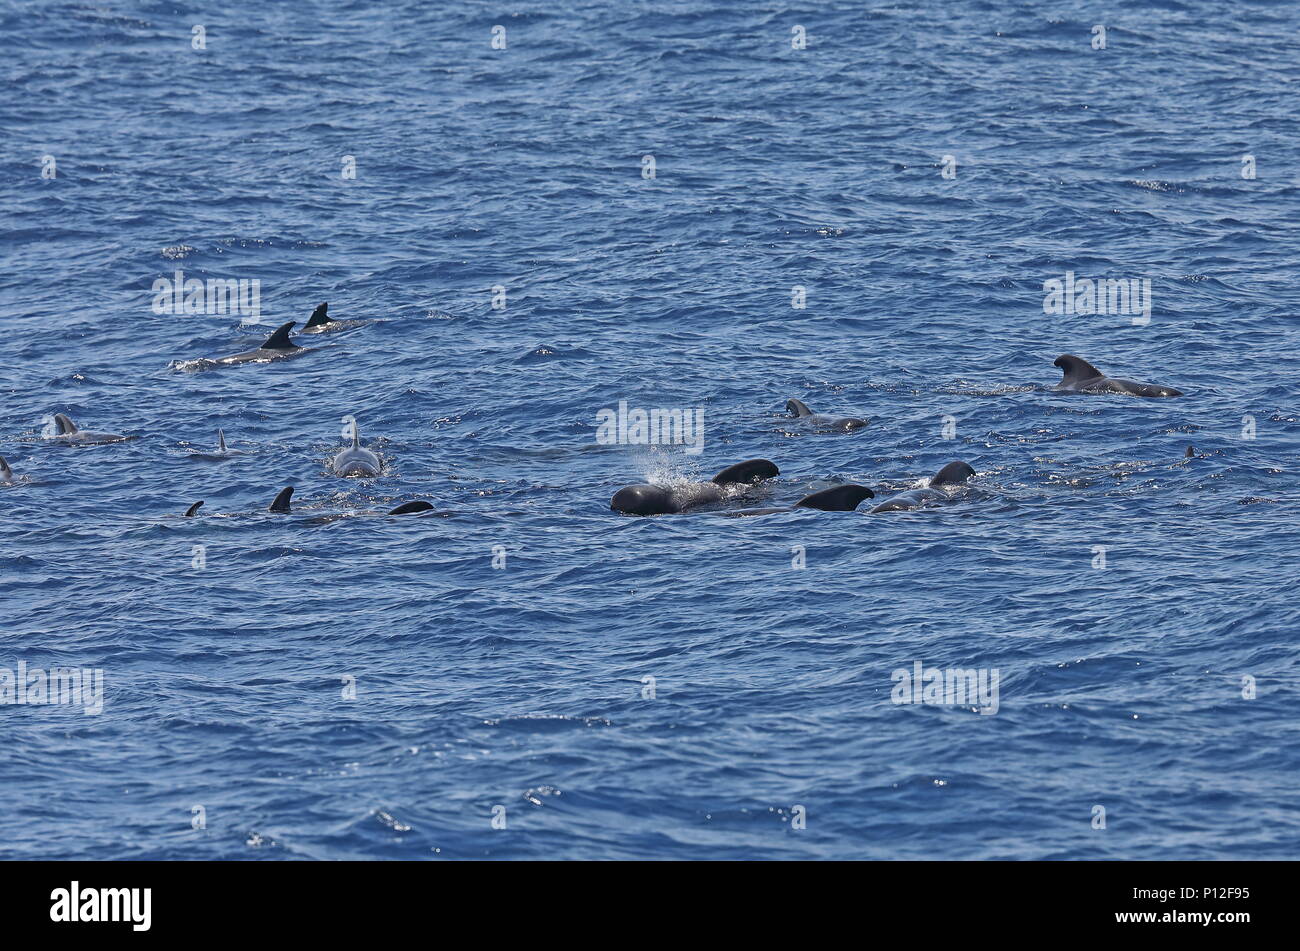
(949, 484)
(738, 482)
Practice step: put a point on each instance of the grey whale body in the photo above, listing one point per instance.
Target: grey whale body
(68, 433)
(356, 460)
(820, 421)
(278, 346)
(946, 485)
(1082, 377)
(320, 322)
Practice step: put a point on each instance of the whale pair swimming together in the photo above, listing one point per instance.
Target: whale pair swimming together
(737, 481)
(353, 460)
(1080, 376)
(278, 346)
(281, 505)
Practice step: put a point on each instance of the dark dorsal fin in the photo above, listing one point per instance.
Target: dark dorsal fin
(63, 425)
(356, 434)
(5, 472)
(281, 503)
(280, 339)
(841, 498)
(221, 440)
(751, 470)
(1077, 369)
(406, 508)
(320, 316)
(1191, 452)
(189, 512)
(954, 473)
(798, 407)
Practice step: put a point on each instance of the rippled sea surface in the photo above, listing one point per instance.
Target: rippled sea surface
(336, 684)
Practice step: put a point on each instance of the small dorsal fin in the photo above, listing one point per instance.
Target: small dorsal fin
(221, 440)
(63, 425)
(406, 508)
(1190, 453)
(798, 407)
(954, 473)
(1076, 369)
(356, 435)
(280, 339)
(320, 316)
(189, 512)
(6, 473)
(281, 503)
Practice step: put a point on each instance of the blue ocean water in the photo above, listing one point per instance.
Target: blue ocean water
(334, 684)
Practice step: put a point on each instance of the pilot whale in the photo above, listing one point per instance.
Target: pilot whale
(281, 506)
(356, 460)
(822, 422)
(320, 322)
(221, 452)
(68, 433)
(661, 500)
(221, 445)
(840, 498)
(946, 485)
(278, 346)
(1082, 377)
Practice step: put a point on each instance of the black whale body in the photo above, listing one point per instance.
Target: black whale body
(667, 500)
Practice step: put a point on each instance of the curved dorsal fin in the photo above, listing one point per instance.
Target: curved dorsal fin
(1076, 369)
(954, 473)
(320, 316)
(6, 473)
(798, 407)
(189, 512)
(406, 508)
(281, 503)
(280, 339)
(841, 498)
(63, 425)
(221, 440)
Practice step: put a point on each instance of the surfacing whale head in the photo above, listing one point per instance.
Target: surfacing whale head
(954, 473)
